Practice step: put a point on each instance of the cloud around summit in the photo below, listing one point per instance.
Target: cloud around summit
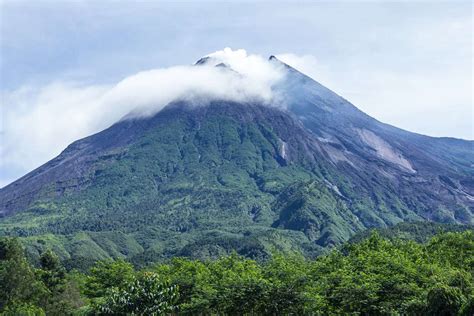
(39, 122)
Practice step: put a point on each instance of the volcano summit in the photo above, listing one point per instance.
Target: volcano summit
(268, 159)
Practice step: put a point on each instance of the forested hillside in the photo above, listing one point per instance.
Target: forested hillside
(304, 172)
(375, 276)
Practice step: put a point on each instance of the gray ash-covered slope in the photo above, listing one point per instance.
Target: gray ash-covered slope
(203, 180)
(437, 171)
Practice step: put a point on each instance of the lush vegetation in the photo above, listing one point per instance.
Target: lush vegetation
(417, 231)
(205, 182)
(375, 276)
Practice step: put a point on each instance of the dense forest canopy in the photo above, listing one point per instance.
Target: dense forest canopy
(373, 276)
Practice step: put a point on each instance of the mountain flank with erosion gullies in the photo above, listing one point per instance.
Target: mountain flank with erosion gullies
(306, 173)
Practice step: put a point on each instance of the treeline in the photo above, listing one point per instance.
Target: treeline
(375, 276)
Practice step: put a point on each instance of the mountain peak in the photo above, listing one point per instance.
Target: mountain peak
(202, 61)
(218, 59)
(210, 61)
(306, 168)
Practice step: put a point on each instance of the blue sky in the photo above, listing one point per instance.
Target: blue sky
(406, 63)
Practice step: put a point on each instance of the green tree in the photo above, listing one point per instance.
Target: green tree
(287, 276)
(194, 280)
(445, 301)
(18, 283)
(52, 273)
(240, 285)
(468, 308)
(106, 275)
(61, 297)
(146, 295)
(23, 309)
(453, 249)
(374, 277)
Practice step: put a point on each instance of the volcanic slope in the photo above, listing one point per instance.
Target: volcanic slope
(203, 180)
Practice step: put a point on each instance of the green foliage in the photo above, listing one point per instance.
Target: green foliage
(375, 276)
(25, 290)
(238, 285)
(107, 275)
(194, 280)
(287, 278)
(145, 295)
(18, 281)
(52, 273)
(444, 300)
(441, 248)
(416, 231)
(62, 295)
(22, 309)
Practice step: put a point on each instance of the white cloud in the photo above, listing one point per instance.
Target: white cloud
(39, 122)
(250, 77)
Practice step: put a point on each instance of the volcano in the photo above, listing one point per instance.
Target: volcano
(203, 180)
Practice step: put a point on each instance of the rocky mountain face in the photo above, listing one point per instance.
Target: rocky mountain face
(204, 180)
